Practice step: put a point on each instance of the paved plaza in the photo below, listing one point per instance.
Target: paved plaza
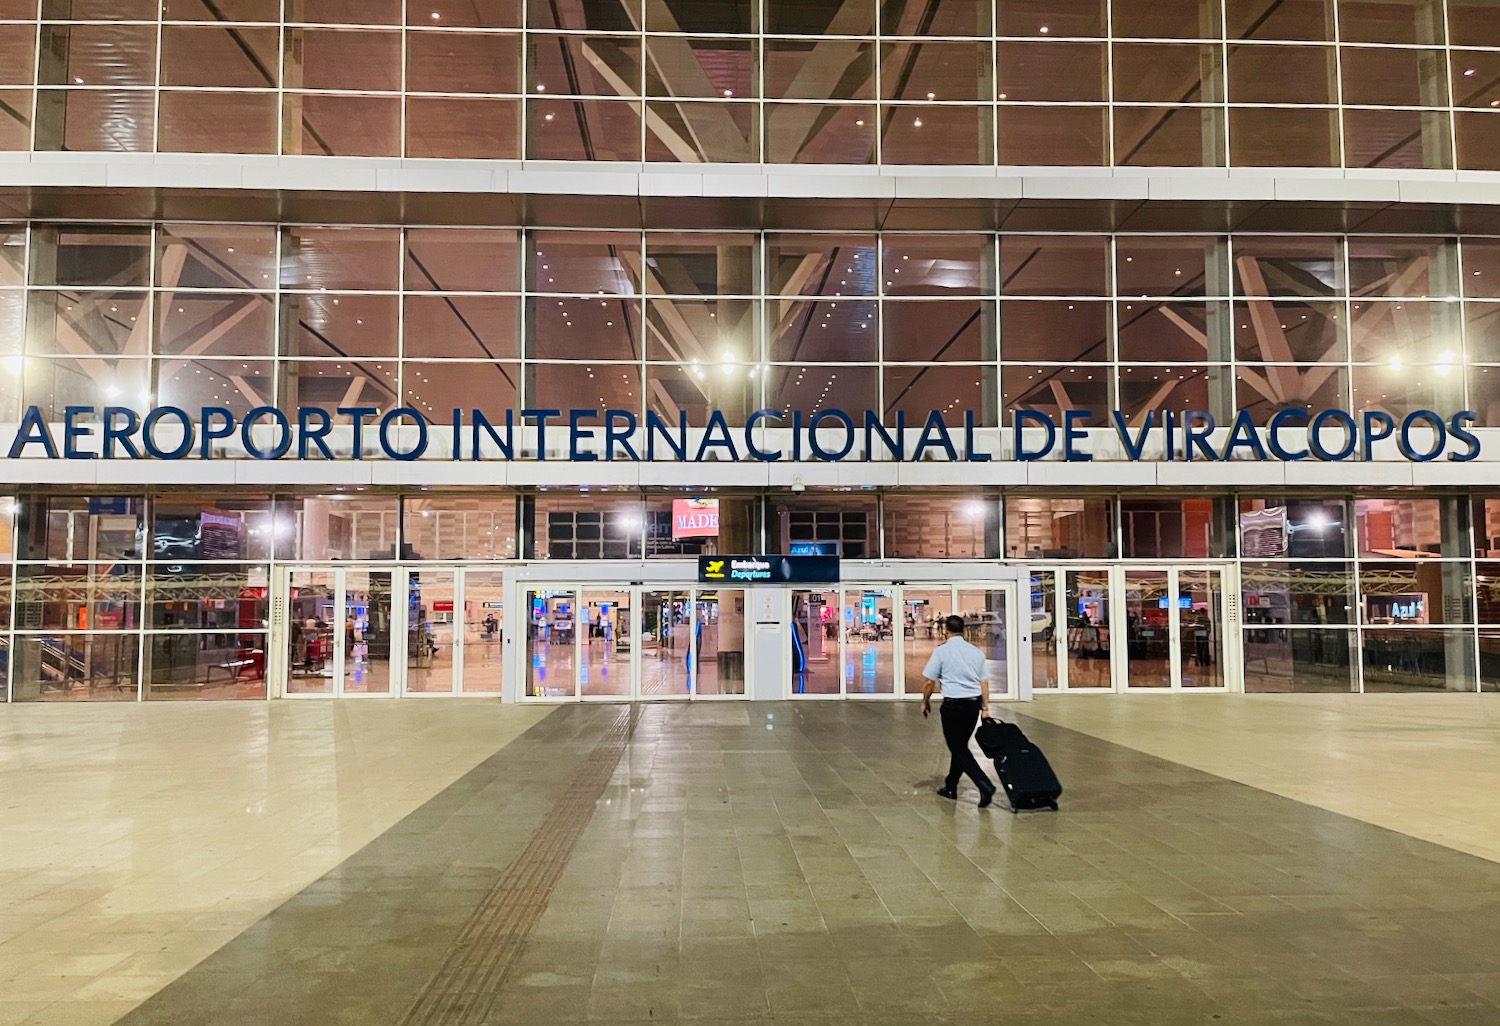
(732, 864)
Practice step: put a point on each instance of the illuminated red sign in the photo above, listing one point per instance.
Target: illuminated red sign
(695, 518)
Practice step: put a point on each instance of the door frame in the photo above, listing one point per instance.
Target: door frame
(282, 626)
(632, 577)
(1120, 667)
(1007, 580)
(1119, 670)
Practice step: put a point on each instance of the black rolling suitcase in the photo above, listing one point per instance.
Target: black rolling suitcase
(1024, 771)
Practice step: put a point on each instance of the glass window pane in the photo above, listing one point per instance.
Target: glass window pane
(462, 260)
(343, 12)
(1052, 71)
(17, 54)
(601, 526)
(1169, 136)
(341, 126)
(1166, 73)
(1174, 528)
(917, 332)
(340, 258)
(807, 133)
(700, 264)
(339, 326)
(1473, 22)
(1052, 17)
(937, 265)
(461, 527)
(1047, 136)
(466, 13)
(330, 384)
(1417, 660)
(345, 525)
(1383, 21)
(717, 68)
(941, 526)
(1282, 137)
(76, 667)
(809, 388)
(1054, 388)
(78, 596)
(826, 69)
(1055, 332)
(238, 385)
(462, 327)
(947, 135)
(214, 122)
(484, 662)
(88, 324)
(1295, 528)
(1291, 19)
(439, 388)
(73, 528)
(825, 330)
(1058, 528)
(1478, 140)
(1396, 138)
(98, 55)
(953, 390)
(822, 265)
(463, 62)
(945, 18)
(935, 71)
(343, 59)
(712, 333)
(216, 324)
(583, 130)
(218, 666)
(216, 256)
(1416, 591)
(1316, 661)
(1054, 265)
(90, 255)
(1166, 19)
(240, 58)
(221, 10)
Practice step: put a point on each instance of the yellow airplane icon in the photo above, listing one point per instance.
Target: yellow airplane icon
(715, 568)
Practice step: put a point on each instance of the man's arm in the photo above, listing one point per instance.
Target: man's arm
(928, 687)
(984, 695)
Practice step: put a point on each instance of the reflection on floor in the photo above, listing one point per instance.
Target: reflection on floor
(788, 863)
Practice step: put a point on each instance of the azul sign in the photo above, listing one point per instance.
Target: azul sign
(829, 435)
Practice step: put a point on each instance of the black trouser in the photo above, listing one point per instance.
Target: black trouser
(960, 716)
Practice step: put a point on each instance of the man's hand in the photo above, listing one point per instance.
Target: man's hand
(926, 706)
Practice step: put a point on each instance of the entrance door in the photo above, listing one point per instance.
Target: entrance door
(341, 634)
(1174, 628)
(1128, 628)
(882, 637)
(632, 643)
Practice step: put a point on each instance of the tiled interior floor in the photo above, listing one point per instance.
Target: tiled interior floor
(787, 863)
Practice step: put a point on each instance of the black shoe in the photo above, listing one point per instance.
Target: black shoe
(948, 793)
(985, 797)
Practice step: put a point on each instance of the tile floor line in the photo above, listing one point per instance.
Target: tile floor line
(486, 949)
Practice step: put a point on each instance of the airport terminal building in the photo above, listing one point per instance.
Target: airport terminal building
(717, 349)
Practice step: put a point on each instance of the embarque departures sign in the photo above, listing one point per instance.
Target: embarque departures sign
(827, 435)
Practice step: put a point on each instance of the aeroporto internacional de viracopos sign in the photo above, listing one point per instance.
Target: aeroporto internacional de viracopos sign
(828, 435)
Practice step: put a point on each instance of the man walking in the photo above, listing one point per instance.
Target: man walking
(957, 670)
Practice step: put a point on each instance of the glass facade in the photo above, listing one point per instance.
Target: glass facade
(835, 248)
(674, 323)
(1190, 83)
(167, 595)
